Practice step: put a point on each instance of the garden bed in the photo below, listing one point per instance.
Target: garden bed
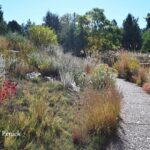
(72, 101)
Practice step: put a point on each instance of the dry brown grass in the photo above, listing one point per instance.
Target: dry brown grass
(88, 69)
(141, 76)
(122, 63)
(4, 43)
(98, 113)
(146, 87)
(20, 69)
(127, 65)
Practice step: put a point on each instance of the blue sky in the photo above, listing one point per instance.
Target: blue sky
(22, 10)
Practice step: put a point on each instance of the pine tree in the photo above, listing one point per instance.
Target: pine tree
(3, 25)
(52, 20)
(148, 21)
(13, 26)
(132, 39)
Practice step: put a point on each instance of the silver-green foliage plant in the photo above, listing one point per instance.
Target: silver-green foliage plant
(70, 69)
(45, 64)
(103, 77)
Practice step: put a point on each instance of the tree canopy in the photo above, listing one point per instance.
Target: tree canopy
(146, 41)
(88, 33)
(132, 39)
(3, 25)
(14, 26)
(52, 20)
(148, 21)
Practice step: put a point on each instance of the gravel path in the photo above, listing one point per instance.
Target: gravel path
(134, 131)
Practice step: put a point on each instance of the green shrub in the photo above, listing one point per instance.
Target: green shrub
(42, 36)
(146, 41)
(103, 77)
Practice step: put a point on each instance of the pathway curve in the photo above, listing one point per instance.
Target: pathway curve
(134, 131)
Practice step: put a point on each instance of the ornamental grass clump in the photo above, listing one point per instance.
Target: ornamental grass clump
(19, 43)
(4, 43)
(141, 77)
(20, 69)
(127, 66)
(97, 114)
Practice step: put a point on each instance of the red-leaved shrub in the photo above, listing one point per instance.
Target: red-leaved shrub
(7, 90)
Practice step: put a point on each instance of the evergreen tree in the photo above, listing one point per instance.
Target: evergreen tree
(114, 22)
(81, 41)
(25, 27)
(1, 14)
(146, 41)
(148, 21)
(52, 20)
(67, 34)
(14, 26)
(132, 39)
(3, 25)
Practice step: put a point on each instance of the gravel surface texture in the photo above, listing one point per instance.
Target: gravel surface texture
(134, 130)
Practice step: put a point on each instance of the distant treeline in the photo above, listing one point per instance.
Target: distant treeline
(88, 33)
